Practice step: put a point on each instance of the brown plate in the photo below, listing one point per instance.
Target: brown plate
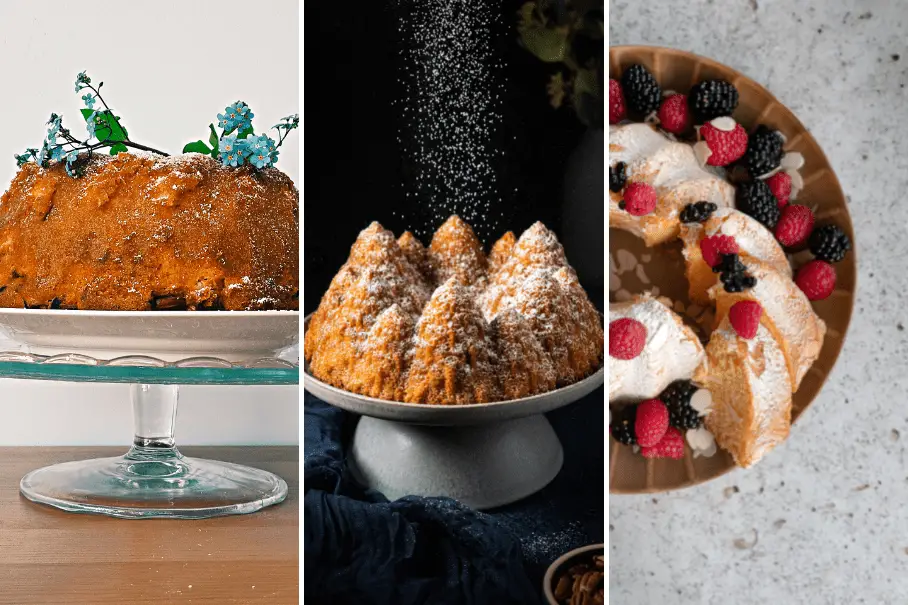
(630, 473)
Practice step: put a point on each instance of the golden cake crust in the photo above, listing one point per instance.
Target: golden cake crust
(138, 232)
(377, 331)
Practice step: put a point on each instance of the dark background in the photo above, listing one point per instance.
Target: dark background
(353, 167)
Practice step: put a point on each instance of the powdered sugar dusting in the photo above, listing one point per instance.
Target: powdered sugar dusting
(544, 333)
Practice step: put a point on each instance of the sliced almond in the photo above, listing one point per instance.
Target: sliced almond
(725, 124)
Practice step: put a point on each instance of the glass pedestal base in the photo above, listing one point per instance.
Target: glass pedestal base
(148, 483)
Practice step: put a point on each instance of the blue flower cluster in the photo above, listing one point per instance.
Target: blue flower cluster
(259, 150)
(91, 125)
(82, 81)
(237, 117)
(60, 145)
(51, 148)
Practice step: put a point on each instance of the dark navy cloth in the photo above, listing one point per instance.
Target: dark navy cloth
(360, 548)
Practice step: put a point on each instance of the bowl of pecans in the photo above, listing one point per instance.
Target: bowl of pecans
(577, 577)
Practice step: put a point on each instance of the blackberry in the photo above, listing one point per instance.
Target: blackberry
(641, 91)
(737, 282)
(756, 199)
(676, 398)
(764, 151)
(729, 263)
(697, 212)
(829, 243)
(617, 177)
(712, 99)
(732, 274)
(622, 426)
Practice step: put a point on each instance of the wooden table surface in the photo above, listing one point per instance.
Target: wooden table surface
(49, 556)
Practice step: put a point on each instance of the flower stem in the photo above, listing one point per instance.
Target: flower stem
(100, 98)
(127, 143)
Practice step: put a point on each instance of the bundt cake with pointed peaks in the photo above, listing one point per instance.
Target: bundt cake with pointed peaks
(456, 252)
(402, 322)
(384, 355)
(417, 254)
(376, 276)
(525, 367)
(557, 321)
(537, 249)
(501, 250)
(728, 198)
(453, 355)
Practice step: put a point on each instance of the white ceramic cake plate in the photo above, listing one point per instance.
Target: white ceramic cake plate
(166, 335)
(484, 455)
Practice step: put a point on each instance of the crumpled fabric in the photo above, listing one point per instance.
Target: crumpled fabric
(360, 548)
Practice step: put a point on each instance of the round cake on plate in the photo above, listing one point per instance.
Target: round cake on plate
(684, 175)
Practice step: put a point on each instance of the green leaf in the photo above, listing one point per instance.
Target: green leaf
(197, 147)
(115, 149)
(246, 133)
(118, 132)
(213, 139)
(112, 132)
(102, 133)
(550, 45)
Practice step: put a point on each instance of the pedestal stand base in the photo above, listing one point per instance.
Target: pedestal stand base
(482, 466)
(145, 485)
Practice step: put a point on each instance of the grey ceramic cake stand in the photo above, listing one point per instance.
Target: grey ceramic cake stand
(484, 455)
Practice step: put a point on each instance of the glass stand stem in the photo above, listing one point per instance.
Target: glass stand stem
(154, 408)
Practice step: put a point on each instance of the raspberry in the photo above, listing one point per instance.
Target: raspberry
(745, 316)
(816, 279)
(617, 110)
(780, 185)
(674, 114)
(795, 225)
(671, 446)
(714, 246)
(726, 146)
(639, 199)
(626, 337)
(651, 422)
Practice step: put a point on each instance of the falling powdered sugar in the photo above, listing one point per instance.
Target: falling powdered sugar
(450, 106)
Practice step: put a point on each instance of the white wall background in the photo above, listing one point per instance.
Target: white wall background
(168, 67)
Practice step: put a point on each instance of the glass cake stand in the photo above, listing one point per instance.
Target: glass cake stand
(153, 479)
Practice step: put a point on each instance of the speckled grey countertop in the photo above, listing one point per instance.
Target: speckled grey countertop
(824, 519)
